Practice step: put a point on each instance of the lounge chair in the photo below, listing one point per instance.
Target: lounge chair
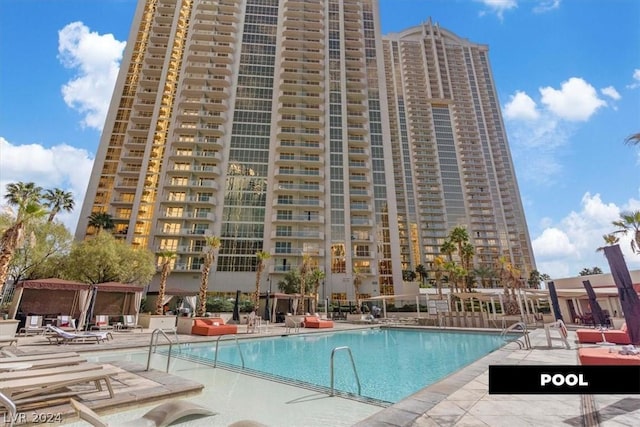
(7, 340)
(17, 363)
(291, 323)
(60, 336)
(212, 326)
(162, 415)
(33, 324)
(102, 323)
(66, 323)
(46, 385)
(563, 333)
(614, 336)
(606, 356)
(66, 369)
(317, 322)
(129, 322)
(13, 357)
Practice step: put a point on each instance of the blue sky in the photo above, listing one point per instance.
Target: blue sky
(567, 74)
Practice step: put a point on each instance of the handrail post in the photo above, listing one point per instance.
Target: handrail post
(152, 346)
(215, 360)
(353, 365)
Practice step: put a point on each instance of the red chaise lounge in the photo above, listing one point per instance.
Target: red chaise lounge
(316, 322)
(601, 356)
(212, 326)
(615, 336)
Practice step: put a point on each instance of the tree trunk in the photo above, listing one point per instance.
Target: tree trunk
(8, 245)
(256, 296)
(162, 287)
(202, 295)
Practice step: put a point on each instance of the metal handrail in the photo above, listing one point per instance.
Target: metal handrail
(10, 417)
(353, 365)
(525, 334)
(215, 360)
(152, 346)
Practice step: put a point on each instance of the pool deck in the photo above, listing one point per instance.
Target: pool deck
(461, 399)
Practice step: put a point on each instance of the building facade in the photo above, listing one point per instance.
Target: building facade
(450, 152)
(266, 123)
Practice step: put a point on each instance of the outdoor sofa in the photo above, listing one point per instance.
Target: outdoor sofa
(212, 326)
(614, 336)
(606, 356)
(316, 322)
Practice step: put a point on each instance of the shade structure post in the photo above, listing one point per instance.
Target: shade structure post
(629, 300)
(596, 310)
(554, 301)
(267, 312)
(236, 307)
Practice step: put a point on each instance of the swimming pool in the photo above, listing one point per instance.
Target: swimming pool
(391, 363)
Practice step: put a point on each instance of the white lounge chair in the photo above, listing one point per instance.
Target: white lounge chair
(291, 323)
(33, 324)
(59, 336)
(102, 323)
(129, 322)
(38, 364)
(162, 415)
(66, 323)
(8, 340)
(43, 386)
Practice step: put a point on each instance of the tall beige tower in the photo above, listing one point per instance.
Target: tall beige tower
(262, 122)
(450, 153)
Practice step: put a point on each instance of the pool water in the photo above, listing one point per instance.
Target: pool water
(391, 364)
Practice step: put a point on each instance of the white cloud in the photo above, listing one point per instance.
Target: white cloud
(563, 249)
(611, 92)
(60, 166)
(499, 6)
(521, 107)
(636, 78)
(576, 100)
(546, 5)
(95, 58)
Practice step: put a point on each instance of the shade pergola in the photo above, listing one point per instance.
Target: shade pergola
(46, 296)
(114, 298)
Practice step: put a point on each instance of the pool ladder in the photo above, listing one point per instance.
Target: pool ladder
(520, 326)
(215, 361)
(353, 365)
(154, 344)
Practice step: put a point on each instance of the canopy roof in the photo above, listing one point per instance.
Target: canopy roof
(53, 283)
(70, 285)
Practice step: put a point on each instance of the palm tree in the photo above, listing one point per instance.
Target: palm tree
(484, 273)
(212, 243)
(466, 255)
(317, 276)
(630, 221)
(610, 240)
(438, 268)
(167, 258)
(448, 248)
(262, 256)
(305, 272)
(57, 200)
(358, 276)
(26, 198)
(422, 271)
(633, 139)
(101, 221)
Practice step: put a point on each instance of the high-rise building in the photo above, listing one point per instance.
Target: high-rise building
(267, 123)
(450, 153)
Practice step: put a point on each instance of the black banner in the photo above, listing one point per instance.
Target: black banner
(563, 379)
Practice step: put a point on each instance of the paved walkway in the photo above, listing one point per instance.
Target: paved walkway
(461, 399)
